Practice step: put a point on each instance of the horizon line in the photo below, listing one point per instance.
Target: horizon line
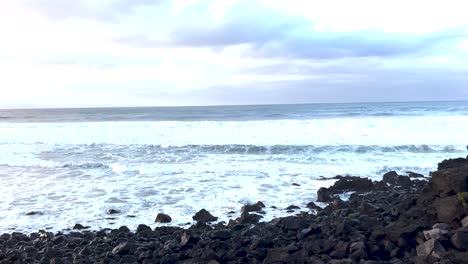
(224, 105)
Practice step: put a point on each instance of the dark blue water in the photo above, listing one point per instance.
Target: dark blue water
(236, 113)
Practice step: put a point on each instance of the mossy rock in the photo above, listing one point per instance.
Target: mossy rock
(463, 198)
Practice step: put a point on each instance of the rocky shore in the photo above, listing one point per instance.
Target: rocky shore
(401, 219)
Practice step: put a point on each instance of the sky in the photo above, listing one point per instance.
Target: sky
(89, 53)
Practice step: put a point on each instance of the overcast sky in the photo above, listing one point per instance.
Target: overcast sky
(70, 53)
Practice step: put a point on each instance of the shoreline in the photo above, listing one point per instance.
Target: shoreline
(395, 220)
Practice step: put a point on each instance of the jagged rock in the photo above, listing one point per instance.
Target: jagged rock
(434, 233)
(163, 218)
(204, 216)
(390, 177)
(78, 226)
(431, 247)
(247, 218)
(312, 205)
(414, 175)
(452, 163)
(344, 184)
(451, 180)
(252, 207)
(460, 239)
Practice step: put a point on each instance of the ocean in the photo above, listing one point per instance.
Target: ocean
(73, 165)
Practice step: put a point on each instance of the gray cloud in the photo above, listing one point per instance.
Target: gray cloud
(111, 11)
(383, 87)
(273, 34)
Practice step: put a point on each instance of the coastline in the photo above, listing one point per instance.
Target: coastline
(395, 220)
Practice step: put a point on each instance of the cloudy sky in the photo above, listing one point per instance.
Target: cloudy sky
(70, 53)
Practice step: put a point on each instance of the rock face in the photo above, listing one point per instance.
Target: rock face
(163, 218)
(452, 179)
(203, 216)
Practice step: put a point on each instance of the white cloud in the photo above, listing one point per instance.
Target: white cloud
(53, 55)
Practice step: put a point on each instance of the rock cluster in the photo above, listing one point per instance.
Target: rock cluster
(396, 220)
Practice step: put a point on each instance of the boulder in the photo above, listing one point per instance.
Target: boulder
(204, 216)
(390, 177)
(163, 218)
(252, 207)
(450, 181)
(460, 239)
(113, 211)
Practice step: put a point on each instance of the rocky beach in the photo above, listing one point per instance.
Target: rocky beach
(400, 219)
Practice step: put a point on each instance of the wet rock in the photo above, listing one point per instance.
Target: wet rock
(292, 207)
(460, 239)
(390, 177)
(113, 211)
(414, 175)
(204, 216)
(258, 206)
(344, 184)
(163, 218)
(312, 205)
(78, 226)
(35, 213)
(247, 218)
(324, 195)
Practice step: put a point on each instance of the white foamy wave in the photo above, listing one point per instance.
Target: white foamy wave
(75, 172)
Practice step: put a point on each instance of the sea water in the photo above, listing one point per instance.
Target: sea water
(73, 165)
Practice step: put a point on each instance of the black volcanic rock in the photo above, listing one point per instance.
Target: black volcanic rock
(163, 218)
(344, 184)
(204, 216)
(407, 221)
(258, 206)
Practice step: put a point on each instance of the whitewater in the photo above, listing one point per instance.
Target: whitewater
(73, 165)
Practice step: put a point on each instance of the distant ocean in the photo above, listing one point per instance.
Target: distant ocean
(73, 165)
